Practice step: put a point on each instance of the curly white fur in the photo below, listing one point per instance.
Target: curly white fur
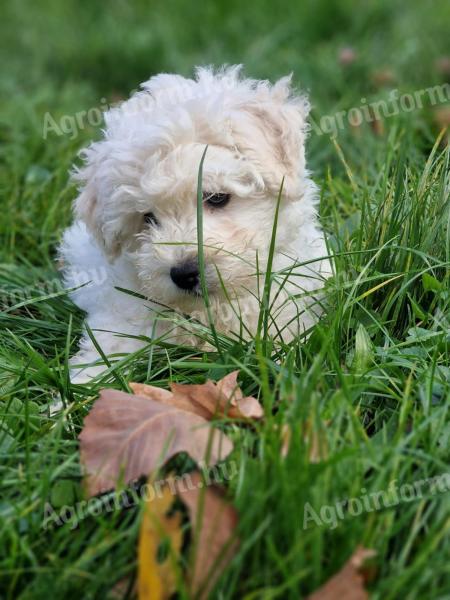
(148, 160)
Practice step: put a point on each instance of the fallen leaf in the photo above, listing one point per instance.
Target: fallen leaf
(224, 398)
(202, 398)
(240, 405)
(229, 387)
(214, 522)
(151, 391)
(157, 577)
(349, 582)
(165, 397)
(248, 408)
(126, 436)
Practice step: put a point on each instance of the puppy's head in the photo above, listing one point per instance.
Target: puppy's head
(139, 184)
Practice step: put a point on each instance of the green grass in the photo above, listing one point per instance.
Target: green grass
(376, 368)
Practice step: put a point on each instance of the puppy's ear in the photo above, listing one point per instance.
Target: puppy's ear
(91, 205)
(275, 134)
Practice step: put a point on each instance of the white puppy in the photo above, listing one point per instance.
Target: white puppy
(136, 214)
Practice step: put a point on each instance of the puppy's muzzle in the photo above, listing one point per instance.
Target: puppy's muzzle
(186, 275)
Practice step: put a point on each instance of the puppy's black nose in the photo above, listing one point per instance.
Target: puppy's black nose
(185, 276)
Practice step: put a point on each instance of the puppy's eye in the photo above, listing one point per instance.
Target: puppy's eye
(216, 200)
(150, 219)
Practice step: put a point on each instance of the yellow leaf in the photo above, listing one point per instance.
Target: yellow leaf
(157, 579)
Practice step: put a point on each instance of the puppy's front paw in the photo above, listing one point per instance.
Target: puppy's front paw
(56, 405)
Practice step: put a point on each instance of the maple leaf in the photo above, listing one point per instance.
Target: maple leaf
(127, 436)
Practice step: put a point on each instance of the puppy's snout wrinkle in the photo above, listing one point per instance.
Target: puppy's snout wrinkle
(185, 275)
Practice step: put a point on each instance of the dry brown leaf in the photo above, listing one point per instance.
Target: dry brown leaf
(207, 400)
(157, 579)
(229, 387)
(204, 398)
(214, 523)
(165, 397)
(151, 391)
(349, 582)
(127, 436)
(239, 405)
(247, 408)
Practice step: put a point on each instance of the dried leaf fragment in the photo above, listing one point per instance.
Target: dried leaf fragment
(214, 522)
(240, 405)
(349, 582)
(153, 392)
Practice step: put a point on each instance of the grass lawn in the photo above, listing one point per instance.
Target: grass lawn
(373, 379)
